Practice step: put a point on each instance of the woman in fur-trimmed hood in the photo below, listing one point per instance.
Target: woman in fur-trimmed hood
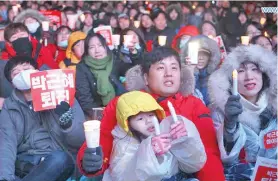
(208, 62)
(176, 17)
(32, 19)
(242, 120)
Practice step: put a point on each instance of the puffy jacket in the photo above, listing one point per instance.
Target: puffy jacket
(23, 131)
(44, 57)
(246, 137)
(59, 54)
(185, 105)
(86, 85)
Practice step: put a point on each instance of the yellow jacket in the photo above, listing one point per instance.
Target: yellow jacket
(132, 103)
(73, 38)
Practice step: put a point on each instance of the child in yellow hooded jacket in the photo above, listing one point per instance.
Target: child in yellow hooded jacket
(139, 154)
(74, 50)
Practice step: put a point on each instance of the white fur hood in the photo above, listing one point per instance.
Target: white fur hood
(29, 13)
(220, 81)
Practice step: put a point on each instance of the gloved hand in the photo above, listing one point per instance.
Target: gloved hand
(65, 114)
(178, 130)
(92, 160)
(233, 109)
(161, 143)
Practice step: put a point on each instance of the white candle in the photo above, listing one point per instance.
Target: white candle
(15, 10)
(116, 40)
(172, 111)
(245, 40)
(82, 18)
(156, 125)
(162, 40)
(45, 25)
(262, 20)
(137, 24)
(45, 42)
(234, 91)
(193, 50)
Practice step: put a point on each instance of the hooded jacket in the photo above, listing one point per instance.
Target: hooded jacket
(71, 60)
(44, 57)
(138, 158)
(189, 30)
(24, 131)
(246, 136)
(185, 105)
(31, 13)
(201, 76)
(179, 22)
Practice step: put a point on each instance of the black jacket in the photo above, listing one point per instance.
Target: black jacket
(86, 85)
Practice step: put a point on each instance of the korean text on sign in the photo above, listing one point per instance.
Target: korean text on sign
(51, 87)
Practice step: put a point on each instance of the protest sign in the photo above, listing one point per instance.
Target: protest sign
(265, 170)
(106, 32)
(53, 16)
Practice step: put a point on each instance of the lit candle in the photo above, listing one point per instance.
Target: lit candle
(156, 125)
(235, 92)
(162, 40)
(82, 18)
(193, 7)
(18, 6)
(137, 24)
(15, 10)
(245, 40)
(193, 50)
(210, 36)
(262, 20)
(45, 25)
(172, 111)
(45, 42)
(266, 34)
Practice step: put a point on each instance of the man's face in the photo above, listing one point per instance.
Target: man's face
(164, 77)
(19, 68)
(124, 23)
(63, 35)
(160, 22)
(20, 34)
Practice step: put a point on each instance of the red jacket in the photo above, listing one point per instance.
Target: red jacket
(58, 53)
(44, 57)
(189, 107)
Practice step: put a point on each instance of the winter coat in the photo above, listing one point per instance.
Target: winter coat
(71, 60)
(185, 105)
(189, 30)
(31, 13)
(139, 159)
(44, 55)
(5, 86)
(86, 85)
(59, 54)
(246, 137)
(202, 76)
(24, 131)
(179, 22)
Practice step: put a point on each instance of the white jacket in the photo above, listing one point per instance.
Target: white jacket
(134, 161)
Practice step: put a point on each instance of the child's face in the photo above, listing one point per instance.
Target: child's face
(142, 123)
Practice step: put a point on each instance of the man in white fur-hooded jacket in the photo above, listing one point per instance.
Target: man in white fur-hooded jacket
(242, 121)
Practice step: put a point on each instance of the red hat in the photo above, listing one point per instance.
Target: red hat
(185, 30)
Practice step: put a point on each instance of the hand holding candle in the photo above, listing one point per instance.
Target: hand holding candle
(235, 89)
(245, 40)
(172, 111)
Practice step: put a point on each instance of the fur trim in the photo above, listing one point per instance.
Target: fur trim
(208, 44)
(219, 84)
(178, 9)
(135, 80)
(29, 13)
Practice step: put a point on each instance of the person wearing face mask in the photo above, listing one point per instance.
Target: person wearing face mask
(38, 145)
(32, 20)
(20, 42)
(74, 50)
(58, 50)
(208, 62)
(181, 39)
(132, 52)
(244, 119)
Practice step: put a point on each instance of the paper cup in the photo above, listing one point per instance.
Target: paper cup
(116, 40)
(162, 40)
(137, 24)
(72, 18)
(92, 133)
(45, 25)
(245, 40)
(127, 39)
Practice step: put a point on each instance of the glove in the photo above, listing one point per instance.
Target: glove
(265, 117)
(233, 109)
(161, 144)
(92, 160)
(65, 114)
(178, 130)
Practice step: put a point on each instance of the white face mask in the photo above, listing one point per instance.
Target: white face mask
(22, 80)
(32, 27)
(198, 13)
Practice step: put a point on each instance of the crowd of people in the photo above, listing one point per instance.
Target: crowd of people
(221, 127)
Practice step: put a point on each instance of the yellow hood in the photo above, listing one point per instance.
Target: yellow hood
(73, 38)
(132, 103)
